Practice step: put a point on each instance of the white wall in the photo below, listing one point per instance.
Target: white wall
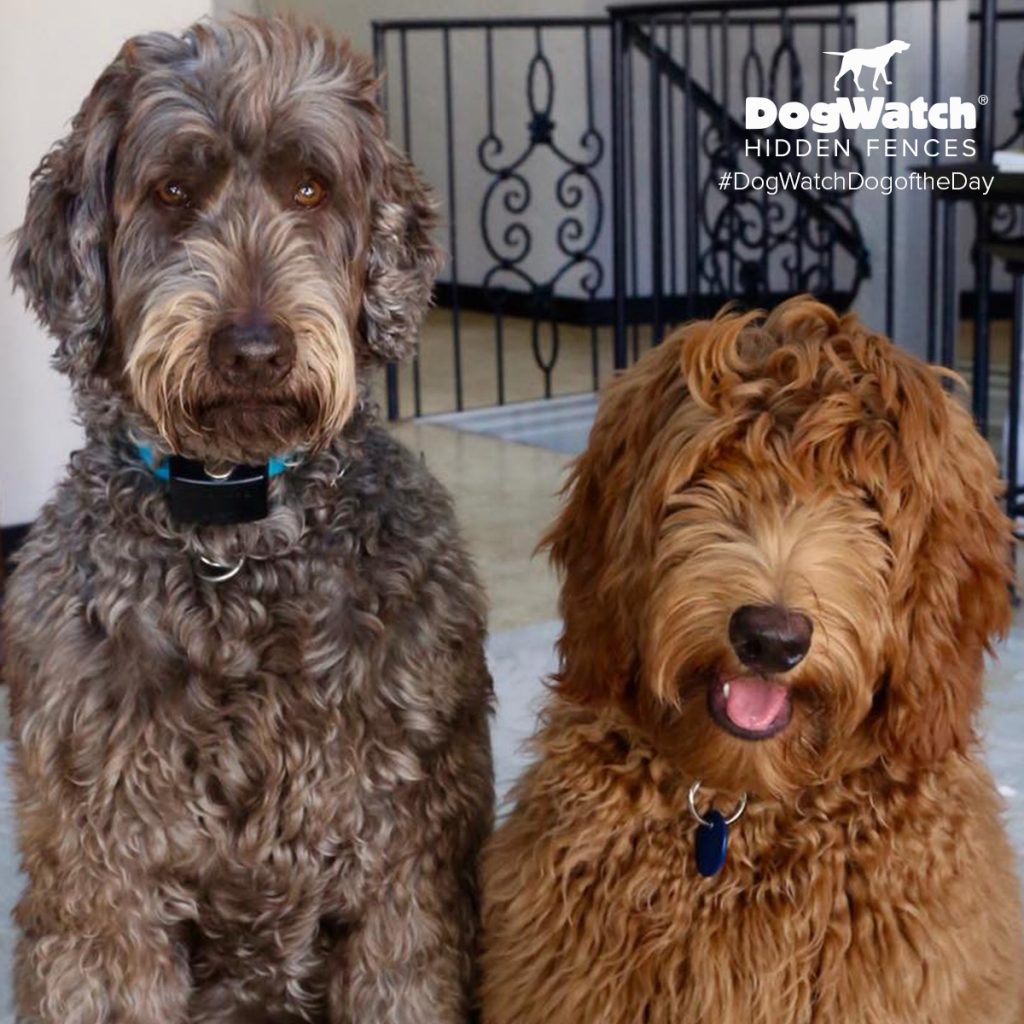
(353, 17)
(51, 51)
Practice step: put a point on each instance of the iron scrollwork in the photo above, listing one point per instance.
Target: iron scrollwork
(755, 244)
(506, 233)
(1005, 220)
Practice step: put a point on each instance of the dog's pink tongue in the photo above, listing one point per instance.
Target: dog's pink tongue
(754, 703)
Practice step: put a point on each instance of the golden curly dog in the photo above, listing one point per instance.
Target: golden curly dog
(783, 561)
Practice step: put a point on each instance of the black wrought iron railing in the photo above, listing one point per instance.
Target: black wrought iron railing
(685, 71)
(1005, 84)
(579, 161)
(518, 148)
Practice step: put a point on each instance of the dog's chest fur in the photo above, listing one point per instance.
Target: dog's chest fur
(260, 736)
(868, 878)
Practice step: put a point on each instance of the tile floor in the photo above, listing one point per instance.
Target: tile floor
(505, 495)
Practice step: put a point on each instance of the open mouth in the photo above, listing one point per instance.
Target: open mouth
(750, 707)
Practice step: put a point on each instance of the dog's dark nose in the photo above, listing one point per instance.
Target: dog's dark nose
(768, 638)
(254, 352)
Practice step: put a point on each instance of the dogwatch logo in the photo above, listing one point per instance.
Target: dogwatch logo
(854, 61)
(864, 114)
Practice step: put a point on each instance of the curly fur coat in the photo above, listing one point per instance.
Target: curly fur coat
(258, 801)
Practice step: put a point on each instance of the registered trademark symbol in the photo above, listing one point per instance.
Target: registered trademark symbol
(982, 100)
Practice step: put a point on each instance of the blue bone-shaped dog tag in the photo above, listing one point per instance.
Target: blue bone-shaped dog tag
(712, 844)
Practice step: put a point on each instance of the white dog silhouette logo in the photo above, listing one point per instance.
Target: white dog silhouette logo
(854, 61)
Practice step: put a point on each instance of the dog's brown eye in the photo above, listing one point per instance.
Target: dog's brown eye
(170, 193)
(310, 193)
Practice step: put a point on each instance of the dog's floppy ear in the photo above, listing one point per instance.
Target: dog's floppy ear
(60, 251)
(603, 540)
(403, 259)
(951, 577)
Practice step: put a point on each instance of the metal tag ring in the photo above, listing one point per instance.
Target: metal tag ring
(734, 817)
(221, 573)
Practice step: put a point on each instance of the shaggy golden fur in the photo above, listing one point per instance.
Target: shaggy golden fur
(798, 461)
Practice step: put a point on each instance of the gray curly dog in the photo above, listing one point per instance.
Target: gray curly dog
(252, 760)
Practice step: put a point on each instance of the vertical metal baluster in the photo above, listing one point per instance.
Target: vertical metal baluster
(380, 63)
(618, 51)
(657, 234)
(499, 320)
(691, 160)
(983, 274)
(951, 300)
(1012, 468)
(822, 43)
(453, 245)
(802, 222)
(765, 269)
(819, 222)
(588, 68)
(537, 310)
(634, 241)
(727, 139)
(549, 367)
(831, 261)
(710, 43)
(499, 341)
(673, 241)
(987, 81)
(890, 210)
(417, 387)
(933, 255)
(843, 41)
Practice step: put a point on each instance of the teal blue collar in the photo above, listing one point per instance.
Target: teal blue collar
(160, 466)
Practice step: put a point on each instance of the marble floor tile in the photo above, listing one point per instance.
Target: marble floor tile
(505, 496)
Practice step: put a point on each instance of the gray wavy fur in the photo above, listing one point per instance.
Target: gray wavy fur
(260, 800)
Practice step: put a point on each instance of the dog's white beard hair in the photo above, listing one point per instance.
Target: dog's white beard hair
(171, 347)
